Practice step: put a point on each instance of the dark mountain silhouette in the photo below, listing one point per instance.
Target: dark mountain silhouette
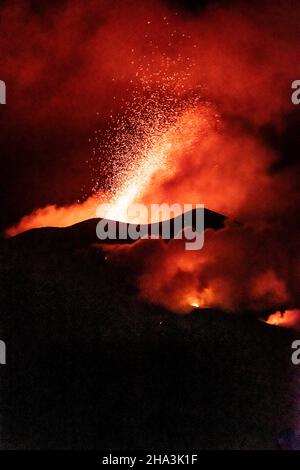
(83, 233)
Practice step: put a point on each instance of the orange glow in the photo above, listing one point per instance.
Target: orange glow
(289, 318)
(201, 300)
(53, 216)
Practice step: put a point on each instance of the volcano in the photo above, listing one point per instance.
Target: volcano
(83, 234)
(91, 365)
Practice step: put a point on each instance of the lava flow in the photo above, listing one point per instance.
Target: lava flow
(288, 318)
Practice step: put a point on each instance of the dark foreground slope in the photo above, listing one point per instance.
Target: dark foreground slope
(91, 366)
